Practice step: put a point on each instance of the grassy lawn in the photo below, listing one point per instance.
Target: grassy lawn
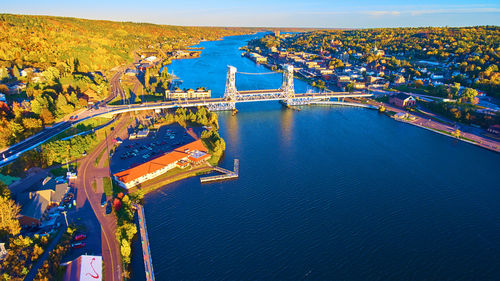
(94, 186)
(171, 176)
(83, 127)
(107, 186)
(98, 158)
(152, 98)
(116, 100)
(421, 91)
(433, 118)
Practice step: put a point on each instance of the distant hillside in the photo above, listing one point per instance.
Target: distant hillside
(44, 41)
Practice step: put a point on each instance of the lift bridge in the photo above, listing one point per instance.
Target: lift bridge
(285, 94)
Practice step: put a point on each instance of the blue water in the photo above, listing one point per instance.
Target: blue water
(326, 193)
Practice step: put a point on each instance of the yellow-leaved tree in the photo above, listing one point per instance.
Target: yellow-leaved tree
(9, 213)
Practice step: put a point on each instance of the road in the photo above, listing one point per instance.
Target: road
(87, 173)
(115, 87)
(14, 151)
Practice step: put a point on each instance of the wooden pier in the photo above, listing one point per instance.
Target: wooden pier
(225, 174)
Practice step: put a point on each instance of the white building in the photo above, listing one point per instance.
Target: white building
(84, 268)
(194, 153)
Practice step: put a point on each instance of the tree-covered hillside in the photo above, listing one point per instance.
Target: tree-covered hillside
(53, 66)
(43, 41)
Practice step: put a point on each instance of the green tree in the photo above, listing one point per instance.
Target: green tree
(350, 87)
(51, 74)
(469, 95)
(76, 65)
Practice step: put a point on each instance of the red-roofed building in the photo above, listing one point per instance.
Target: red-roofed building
(194, 152)
(402, 100)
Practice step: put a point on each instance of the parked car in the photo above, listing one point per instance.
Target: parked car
(68, 198)
(78, 245)
(109, 207)
(80, 237)
(103, 200)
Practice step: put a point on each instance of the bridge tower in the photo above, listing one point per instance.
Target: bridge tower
(230, 91)
(287, 85)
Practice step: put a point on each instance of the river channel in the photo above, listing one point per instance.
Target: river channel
(325, 193)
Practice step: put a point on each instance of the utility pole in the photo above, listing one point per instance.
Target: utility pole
(67, 161)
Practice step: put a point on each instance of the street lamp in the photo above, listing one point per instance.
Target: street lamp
(65, 218)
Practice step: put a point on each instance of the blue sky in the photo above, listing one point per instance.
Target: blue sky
(275, 13)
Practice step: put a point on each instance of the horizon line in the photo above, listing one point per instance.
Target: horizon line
(250, 27)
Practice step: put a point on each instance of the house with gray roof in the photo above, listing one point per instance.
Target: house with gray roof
(35, 204)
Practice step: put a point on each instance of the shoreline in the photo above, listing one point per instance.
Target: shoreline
(448, 135)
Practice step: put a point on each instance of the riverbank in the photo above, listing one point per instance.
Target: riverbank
(482, 144)
(433, 125)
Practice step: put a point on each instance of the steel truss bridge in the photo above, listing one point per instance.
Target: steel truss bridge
(285, 94)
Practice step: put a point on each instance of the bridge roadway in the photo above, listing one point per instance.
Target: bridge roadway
(245, 96)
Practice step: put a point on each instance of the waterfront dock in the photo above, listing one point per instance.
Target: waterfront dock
(225, 174)
(148, 264)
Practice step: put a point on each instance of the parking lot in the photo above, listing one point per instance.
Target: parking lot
(140, 150)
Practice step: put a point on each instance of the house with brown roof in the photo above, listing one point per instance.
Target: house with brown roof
(195, 153)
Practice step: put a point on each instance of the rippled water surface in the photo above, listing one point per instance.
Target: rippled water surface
(325, 193)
